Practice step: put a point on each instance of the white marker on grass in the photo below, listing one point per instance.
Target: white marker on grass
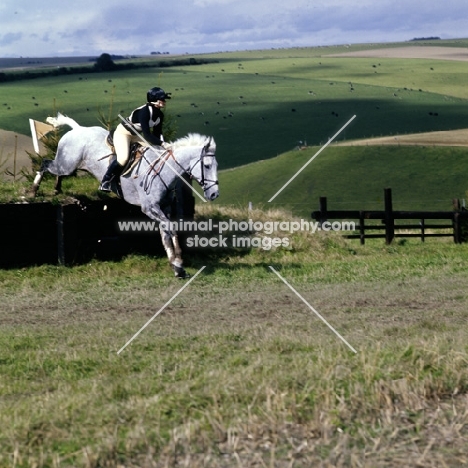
(161, 309)
(312, 309)
(311, 159)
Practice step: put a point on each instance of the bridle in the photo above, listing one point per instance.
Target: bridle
(204, 182)
(156, 166)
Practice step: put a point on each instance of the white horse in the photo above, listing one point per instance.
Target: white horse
(149, 183)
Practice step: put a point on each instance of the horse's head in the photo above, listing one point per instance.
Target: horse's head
(205, 170)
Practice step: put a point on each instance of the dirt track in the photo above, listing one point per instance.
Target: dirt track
(412, 52)
(446, 138)
(12, 144)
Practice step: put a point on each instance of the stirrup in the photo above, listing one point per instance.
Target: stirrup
(105, 186)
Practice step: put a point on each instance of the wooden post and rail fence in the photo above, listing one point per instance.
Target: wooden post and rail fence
(453, 223)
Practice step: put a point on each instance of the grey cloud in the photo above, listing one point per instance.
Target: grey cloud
(211, 25)
(10, 38)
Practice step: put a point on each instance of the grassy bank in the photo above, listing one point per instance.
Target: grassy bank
(237, 371)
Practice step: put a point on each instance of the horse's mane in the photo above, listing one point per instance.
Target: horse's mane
(194, 139)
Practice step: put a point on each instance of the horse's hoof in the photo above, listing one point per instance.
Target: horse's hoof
(180, 273)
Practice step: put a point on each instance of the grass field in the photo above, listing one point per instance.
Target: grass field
(260, 104)
(237, 371)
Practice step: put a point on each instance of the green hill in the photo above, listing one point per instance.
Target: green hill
(259, 105)
(424, 178)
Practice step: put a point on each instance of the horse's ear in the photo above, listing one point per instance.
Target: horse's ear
(207, 146)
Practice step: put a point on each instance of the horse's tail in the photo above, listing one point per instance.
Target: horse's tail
(62, 120)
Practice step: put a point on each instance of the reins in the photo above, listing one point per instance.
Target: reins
(155, 167)
(154, 171)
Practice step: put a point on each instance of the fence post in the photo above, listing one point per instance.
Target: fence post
(60, 235)
(456, 228)
(456, 221)
(323, 209)
(362, 229)
(389, 221)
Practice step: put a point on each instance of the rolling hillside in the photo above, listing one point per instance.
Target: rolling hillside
(424, 178)
(260, 105)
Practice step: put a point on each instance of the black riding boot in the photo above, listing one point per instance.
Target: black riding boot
(114, 170)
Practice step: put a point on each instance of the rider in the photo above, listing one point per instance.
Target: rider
(143, 119)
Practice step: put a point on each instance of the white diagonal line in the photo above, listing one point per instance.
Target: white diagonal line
(311, 159)
(142, 138)
(161, 309)
(312, 309)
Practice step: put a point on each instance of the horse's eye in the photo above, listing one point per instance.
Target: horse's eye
(207, 166)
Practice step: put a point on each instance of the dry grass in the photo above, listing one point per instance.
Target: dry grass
(237, 371)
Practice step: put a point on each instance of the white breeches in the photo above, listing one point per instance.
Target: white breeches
(122, 140)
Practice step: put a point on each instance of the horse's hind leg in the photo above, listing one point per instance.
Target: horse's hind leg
(39, 176)
(36, 184)
(58, 185)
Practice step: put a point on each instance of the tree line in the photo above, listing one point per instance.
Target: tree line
(104, 63)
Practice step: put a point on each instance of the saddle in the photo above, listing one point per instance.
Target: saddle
(135, 154)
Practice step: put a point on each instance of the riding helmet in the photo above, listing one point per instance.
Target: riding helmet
(157, 94)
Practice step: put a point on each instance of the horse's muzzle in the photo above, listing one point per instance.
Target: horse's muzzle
(212, 192)
(213, 195)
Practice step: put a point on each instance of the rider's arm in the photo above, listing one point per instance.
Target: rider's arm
(143, 118)
(157, 129)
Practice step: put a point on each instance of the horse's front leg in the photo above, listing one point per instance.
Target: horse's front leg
(174, 252)
(169, 240)
(177, 248)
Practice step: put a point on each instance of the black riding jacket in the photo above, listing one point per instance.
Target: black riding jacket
(149, 120)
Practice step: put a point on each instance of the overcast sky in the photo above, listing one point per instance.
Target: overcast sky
(48, 28)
